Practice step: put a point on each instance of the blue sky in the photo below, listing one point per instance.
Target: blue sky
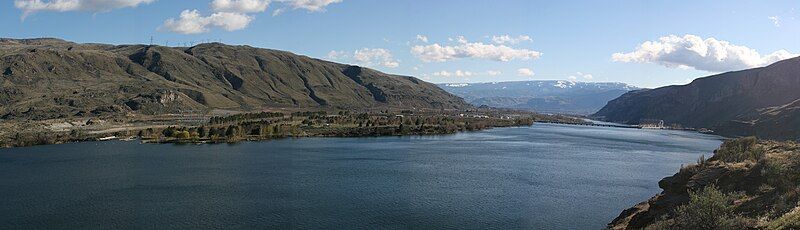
(569, 40)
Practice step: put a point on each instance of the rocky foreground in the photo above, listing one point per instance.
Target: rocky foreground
(747, 184)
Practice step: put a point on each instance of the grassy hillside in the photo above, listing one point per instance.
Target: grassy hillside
(760, 102)
(747, 184)
(51, 78)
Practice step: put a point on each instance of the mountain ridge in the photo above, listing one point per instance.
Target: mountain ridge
(46, 78)
(554, 96)
(759, 101)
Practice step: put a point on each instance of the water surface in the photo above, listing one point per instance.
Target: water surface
(540, 177)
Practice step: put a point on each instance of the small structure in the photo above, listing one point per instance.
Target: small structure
(653, 125)
(108, 138)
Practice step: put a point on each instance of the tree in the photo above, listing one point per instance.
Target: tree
(182, 134)
(231, 132)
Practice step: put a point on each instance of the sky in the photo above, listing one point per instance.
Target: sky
(642, 43)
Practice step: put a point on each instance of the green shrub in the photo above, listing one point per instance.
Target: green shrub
(708, 208)
(790, 220)
(182, 134)
(739, 150)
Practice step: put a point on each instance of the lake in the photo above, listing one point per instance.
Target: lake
(541, 177)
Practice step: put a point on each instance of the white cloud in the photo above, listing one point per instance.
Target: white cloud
(422, 38)
(336, 55)
(584, 76)
(309, 5)
(31, 6)
(457, 73)
(493, 72)
(465, 49)
(229, 15)
(240, 6)
(775, 20)
(524, 72)
(503, 39)
(377, 56)
(191, 22)
(691, 51)
(463, 73)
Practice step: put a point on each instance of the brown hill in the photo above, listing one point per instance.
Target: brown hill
(51, 78)
(760, 101)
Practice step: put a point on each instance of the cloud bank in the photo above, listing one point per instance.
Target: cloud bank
(191, 22)
(465, 49)
(231, 15)
(691, 51)
(31, 6)
(366, 57)
(377, 56)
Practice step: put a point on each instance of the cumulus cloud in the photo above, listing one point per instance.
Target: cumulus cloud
(191, 22)
(230, 15)
(240, 6)
(377, 56)
(465, 49)
(524, 72)
(692, 51)
(506, 39)
(31, 6)
(422, 38)
(775, 20)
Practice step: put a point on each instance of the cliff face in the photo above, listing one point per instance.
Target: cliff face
(749, 102)
(51, 78)
(757, 181)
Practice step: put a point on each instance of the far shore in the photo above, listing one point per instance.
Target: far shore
(256, 126)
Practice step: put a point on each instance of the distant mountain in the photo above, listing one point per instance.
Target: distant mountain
(544, 96)
(52, 78)
(761, 101)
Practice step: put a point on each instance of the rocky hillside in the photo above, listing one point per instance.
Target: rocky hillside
(748, 184)
(51, 78)
(544, 96)
(760, 101)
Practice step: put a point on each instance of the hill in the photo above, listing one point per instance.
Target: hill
(544, 96)
(761, 101)
(52, 78)
(747, 184)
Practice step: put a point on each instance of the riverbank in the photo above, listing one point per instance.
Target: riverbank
(264, 125)
(747, 184)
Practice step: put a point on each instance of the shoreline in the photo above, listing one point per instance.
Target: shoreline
(275, 125)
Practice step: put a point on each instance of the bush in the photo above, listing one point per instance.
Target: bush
(739, 150)
(790, 220)
(708, 208)
(182, 134)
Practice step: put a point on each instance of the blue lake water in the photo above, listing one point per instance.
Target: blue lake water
(540, 177)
